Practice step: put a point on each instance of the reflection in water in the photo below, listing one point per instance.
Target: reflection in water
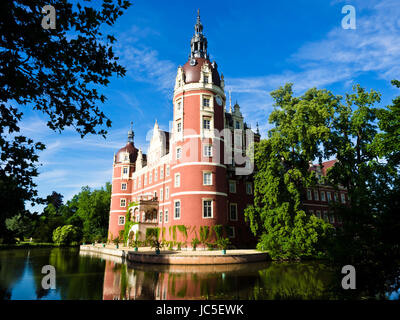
(84, 275)
(267, 280)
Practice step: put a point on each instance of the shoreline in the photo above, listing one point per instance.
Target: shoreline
(145, 255)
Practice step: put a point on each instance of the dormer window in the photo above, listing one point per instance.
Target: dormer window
(205, 79)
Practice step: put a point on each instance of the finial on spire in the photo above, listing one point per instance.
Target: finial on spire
(258, 129)
(199, 42)
(130, 134)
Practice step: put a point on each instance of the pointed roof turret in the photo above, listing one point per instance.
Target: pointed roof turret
(131, 134)
(199, 42)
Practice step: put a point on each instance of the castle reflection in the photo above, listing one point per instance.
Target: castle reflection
(269, 280)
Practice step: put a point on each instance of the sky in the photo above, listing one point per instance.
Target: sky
(258, 46)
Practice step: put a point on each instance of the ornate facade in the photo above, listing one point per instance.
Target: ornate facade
(196, 175)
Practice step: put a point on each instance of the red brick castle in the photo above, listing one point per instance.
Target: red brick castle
(198, 174)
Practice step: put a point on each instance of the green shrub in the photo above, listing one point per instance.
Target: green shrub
(66, 235)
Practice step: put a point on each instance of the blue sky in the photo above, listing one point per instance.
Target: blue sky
(258, 46)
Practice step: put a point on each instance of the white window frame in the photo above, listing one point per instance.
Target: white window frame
(316, 195)
(232, 204)
(166, 216)
(208, 150)
(209, 123)
(155, 174)
(125, 175)
(166, 193)
(150, 177)
(328, 196)
(145, 178)
(161, 194)
(206, 98)
(167, 172)
(119, 220)
(177, 180)
(160, 217)
(204, 178)
(203, 208)
(124, 184)
(309, 194)
(161, 173)
(180, 209)
(323, 197)
(233, 183)
(134, 184)
(120, 202)
(178, 153)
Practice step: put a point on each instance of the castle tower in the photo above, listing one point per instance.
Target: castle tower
(124, 165)
(198, 172)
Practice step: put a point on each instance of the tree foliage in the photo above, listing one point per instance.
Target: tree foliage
(301, 124)
(66, 235)
(56, 72)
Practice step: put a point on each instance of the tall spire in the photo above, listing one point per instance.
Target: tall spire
(230, 101)
(130, 134)
(198, 44)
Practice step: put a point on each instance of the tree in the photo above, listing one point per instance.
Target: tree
(66, 235)
(277, 217)
(20, 225)
(55, 71)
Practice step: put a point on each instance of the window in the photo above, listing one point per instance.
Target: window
(311, 211)
(150, 177)
(125, 171)
(122, 203)
(161, 194)
(178, 106)
(206, 123)
(178, 153)
(205, 79)
(309, 196)
(316, 195)
(207, 178)
(249, 188)
(329, 196)
(167, 173)
(134, 184)
(207, 151)
(232, 186)
(177, 209)
(318, 214)
(207, 208)
(126, 157)
(336, 196)
(322, 195)
(343, 197)
(166, 216)
(121, 220)
(206, 102)
(326, 217)
(166, 193)
(160, 217)
(233, 212)
(140, 182)
(161, 173)
(331, 218)
(155, 174)
(237, 125)
(177, 180)
(179, 127)
(145, 179)
(231, 232)
(123, 186)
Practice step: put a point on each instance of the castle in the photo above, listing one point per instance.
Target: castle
(197, 175)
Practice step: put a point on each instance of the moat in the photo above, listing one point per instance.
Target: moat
(88, 276)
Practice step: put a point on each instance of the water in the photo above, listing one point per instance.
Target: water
(83, 275)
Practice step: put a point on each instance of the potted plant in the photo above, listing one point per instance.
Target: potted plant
(136, 244)
(195, 242)
(156, 244)
(116, 242)
(223, 243)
